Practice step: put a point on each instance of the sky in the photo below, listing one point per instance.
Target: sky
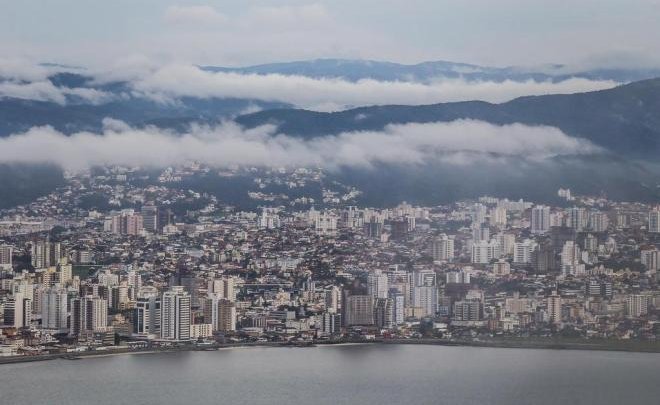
(232, 33)
(156, 46)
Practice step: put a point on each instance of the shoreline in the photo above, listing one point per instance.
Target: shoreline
(541, 344)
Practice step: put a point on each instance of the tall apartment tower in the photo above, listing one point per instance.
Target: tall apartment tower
(5, 257)
(146, 317)
(175, 315)
(54, 309)
(220, 313)
(443, 248)
(149, 215)
(359, 310)
(45, 254)
(553, 303)
(96, 314)
(223, 286)
(654, 220)
(577, 218)
(377, 284)
(540, 221)
(18, 311)
(89, 314)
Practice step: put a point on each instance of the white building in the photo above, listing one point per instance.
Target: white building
(540, 221)
(522, 252)
(5, 257)
(146, 317)
(377, 285)
(553, 304)
(54, 309)
(443, 248)
(637, 305)
(175, 314)
(483, 252)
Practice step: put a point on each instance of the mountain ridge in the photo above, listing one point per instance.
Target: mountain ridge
(624, 119)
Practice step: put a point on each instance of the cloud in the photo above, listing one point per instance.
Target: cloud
(24, 79)
(194, 15)
(19, 69)
(335, 93)
(46, 91)
(459, 143)
(287, 17)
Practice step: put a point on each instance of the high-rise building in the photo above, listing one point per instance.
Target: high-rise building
(468, 310)
(399, 228)
(498, 217)
(330, 323)
(506, 242)
(458, 277)
(384, 313)
(443, 248)
(522, 252)
(89, 314)
(14, 313)
(119, 297)
(269, 219)
(373, 229)
(149, 215)
(64, 272)
(483, 252)
(146, 317)
(543, 258)
(501, 268)
(333, 299)
(425, 298)
(96, 314)
(654, 220)
(223, 286)
(359, 310)
(45, 254)
(637, 305)
(326, 224)
(598, 288)
(175, 316)
(478, 214)
(540, 220)
(377, 284)
(598, 221)
(220, 313)
(577, 218)
(165, 218)
(125, 223)
(6, 252)
(398, 302)
(480, 232)
(650, 259)
(54, 309)
(553, 304)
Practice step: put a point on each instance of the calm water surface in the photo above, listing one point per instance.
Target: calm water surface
(359, 374)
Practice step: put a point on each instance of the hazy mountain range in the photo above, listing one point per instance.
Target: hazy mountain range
(620, 127)
(429, 71)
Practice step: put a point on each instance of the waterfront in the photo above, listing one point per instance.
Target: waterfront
(366, 374)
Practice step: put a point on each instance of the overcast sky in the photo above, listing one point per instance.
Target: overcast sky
(495, 32)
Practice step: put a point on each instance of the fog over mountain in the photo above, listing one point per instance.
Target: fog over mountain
(459, 142)
(427, 125)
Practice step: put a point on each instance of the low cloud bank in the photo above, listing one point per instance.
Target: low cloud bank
(169, 83)
(23, 79)
(460, 142)
(325, 94)
(46, 91)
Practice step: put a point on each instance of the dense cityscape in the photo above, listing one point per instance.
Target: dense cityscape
(106, 263)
